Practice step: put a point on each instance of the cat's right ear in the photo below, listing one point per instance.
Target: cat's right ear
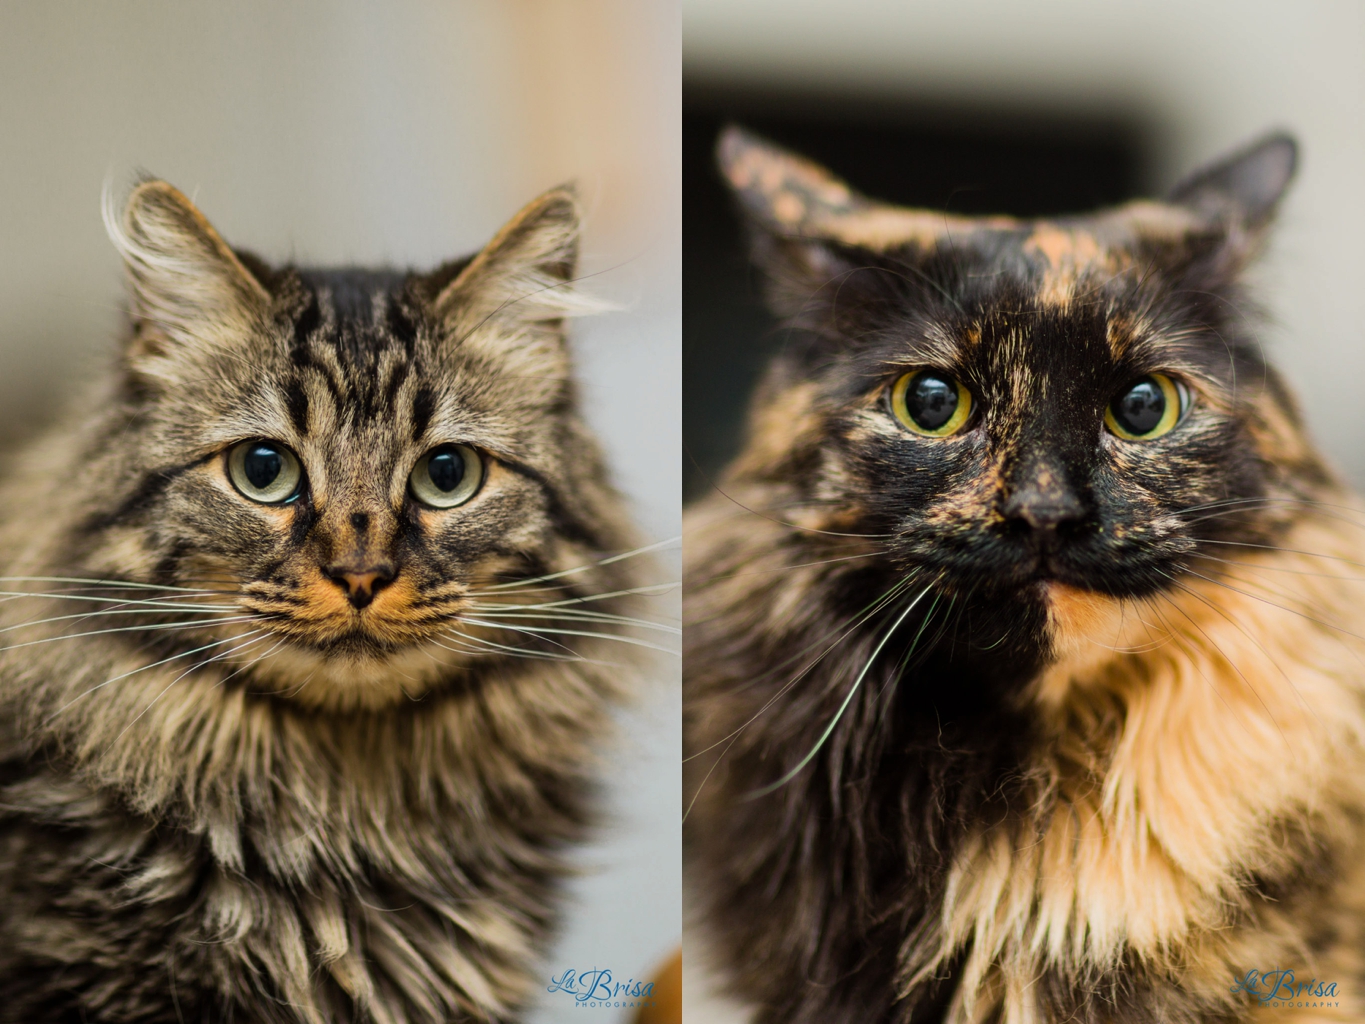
(1245, 188)
(190, 296)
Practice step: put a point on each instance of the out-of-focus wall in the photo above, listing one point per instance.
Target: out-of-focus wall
(351, 131)
(1206, 75)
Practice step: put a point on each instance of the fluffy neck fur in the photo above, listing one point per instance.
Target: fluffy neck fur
(1161, 809)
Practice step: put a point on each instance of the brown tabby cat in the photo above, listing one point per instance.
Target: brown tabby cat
(1023, 663)
(304, 655)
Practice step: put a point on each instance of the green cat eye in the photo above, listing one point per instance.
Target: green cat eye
(265, 471)
(931, 403)
(1147, 408)
(446, 476)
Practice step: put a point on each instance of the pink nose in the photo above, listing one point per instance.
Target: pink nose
(360, 582)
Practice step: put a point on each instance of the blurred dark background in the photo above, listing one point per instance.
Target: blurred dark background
(961, 159)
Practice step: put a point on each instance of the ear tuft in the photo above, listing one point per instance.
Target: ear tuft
(1245, 187)
(524, 276)
(184, 282)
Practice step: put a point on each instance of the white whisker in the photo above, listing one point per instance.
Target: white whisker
(143, 668)
(829, 729)
(567, 632)
(155, 603)
(134, 629)
(256, 638)
(590, 565)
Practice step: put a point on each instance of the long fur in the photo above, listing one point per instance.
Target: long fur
(254, 801)
(931, 781)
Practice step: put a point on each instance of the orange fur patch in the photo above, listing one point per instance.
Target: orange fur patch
(1068, 255)
(1184, 733)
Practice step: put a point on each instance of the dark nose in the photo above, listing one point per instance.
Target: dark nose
(361, 583)
(1041, 501)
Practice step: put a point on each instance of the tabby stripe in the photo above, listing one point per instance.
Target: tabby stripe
(296, 398)
(304, 327)
(148, 490)
(423, 406)
(565, 523)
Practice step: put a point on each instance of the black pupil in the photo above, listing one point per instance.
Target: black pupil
(446, 470)
(1141, 407)
(931, 400)
(262, 465)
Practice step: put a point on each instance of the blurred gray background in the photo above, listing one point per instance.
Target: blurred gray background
(1000, 106)
(399, 133)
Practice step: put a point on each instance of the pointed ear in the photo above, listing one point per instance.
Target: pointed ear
(189, 292)
(1244, 188)
(791, 196)
(813, 237)
(520, 285)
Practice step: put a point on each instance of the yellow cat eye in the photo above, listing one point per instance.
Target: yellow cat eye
(1147, 408)
(931, 403)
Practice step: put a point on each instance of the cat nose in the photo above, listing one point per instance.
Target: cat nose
(361, 583)
(1043, 501)
(1044, 510)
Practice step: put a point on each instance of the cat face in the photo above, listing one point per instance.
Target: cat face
(1013, 405)
(359, 463)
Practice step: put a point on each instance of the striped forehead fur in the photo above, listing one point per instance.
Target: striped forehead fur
(245, 817)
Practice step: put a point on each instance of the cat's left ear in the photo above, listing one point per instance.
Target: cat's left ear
(514, 295)
(1245, 188)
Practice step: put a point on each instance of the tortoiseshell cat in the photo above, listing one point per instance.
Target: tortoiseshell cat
(304, 663)
(1021, 638)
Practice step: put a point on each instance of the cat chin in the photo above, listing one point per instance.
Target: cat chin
(356, 681)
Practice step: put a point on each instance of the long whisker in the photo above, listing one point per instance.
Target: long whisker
(567, 632)
(105, 583)
(659, 546)
(253, 662)
(733, 737)
(151, 603)
(571, 614)
(786, 568)
(861, 617)
(847, 699)
(495, 647)
(1276, 547)
(1238, 626)
(134, 629)
(256, 638)
(1273, 604)
(1268, 567)
(1232, 503)
(793, 526)
(143, 668)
